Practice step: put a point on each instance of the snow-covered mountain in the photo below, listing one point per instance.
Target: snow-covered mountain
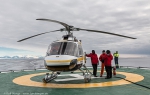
(22, 57)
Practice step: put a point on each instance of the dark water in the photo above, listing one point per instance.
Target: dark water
(20, 64)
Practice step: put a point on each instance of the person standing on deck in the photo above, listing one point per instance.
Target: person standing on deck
(94, 61)
(116, 56)
(101, 58)
(107, 61)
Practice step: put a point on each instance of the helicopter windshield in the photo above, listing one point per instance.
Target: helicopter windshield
(63, 48)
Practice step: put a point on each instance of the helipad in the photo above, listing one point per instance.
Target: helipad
(131, 82)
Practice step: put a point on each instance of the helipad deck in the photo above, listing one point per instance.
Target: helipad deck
(128, 81)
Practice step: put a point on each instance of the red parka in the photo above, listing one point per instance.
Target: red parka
(102, 56)
(107, 60)
(94, 58)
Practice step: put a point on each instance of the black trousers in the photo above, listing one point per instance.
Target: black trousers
(94, 69)
(108, 71)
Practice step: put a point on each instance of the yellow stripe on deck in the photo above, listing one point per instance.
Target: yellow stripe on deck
(26, 81)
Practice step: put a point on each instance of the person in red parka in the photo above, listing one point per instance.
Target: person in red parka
(94, 61)
(101, 58)
(107, 61)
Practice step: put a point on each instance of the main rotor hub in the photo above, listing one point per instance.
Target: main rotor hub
(69, 29)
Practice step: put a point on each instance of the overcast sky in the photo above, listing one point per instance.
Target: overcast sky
(126, 17)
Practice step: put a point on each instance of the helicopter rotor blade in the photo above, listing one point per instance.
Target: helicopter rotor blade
(36, 35)
(62, 23)
(97, 31)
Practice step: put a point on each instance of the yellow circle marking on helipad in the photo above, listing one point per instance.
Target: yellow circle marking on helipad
(26, 81)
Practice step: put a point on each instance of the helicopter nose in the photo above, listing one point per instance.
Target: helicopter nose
(73, 63)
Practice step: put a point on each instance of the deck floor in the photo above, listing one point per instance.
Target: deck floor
(30, 83)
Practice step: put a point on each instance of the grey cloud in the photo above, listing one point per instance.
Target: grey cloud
(129, 17)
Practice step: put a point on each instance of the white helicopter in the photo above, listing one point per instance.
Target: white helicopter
(66, 54)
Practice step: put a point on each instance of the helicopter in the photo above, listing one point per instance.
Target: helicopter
(66, 54)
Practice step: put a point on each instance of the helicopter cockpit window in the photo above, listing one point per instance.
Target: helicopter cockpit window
(55, 48)
(69, 48)
(63, 48)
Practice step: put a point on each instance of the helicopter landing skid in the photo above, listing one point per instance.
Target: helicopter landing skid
(87, 74)
(50, 77)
